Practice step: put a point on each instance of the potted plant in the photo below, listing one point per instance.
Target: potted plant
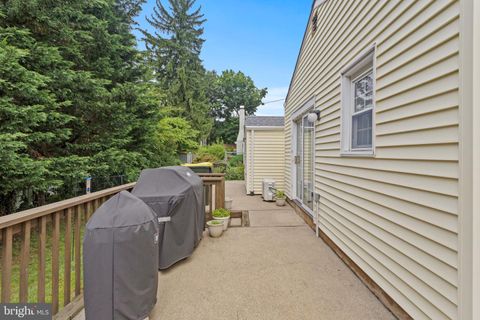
(215, 228)
(280, 198)
(222, 215)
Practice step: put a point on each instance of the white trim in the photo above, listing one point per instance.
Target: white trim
(252, 164)
(309, 104)
(164, 219)
(265, 128)
(318, 3)
(297, 116)
(361, 65)
(469, 154)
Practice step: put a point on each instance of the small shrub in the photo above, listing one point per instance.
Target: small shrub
(221, 213)
(216, 222)
(212, 153)
(234, 173)
(220, 167)
(279, 194)
(236, 161)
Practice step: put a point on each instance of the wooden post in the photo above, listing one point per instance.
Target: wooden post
(220, 194)
(68, 257)
(24, 259)
(41, 260)
(7, 239)
(55, 262)
(76, 240)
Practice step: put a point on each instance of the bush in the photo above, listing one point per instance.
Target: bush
(236, 161)
(220, 167)
(235, 173)
(221, 213)
(212, 153)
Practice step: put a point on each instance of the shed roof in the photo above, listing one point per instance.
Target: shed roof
(264, 121)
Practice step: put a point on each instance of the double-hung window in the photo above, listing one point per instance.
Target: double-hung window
(358, 102)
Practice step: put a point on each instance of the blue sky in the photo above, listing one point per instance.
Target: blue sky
(259, 37)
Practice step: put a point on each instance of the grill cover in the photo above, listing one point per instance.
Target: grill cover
(120, 254)
(177, 193)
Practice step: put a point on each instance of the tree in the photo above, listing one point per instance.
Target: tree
(29, 121)
(75, 99)
(178, 134)
(229, 91)
(174, 50)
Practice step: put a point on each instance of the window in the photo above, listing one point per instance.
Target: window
(358, 101)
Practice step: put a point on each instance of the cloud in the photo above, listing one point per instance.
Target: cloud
(274, 108)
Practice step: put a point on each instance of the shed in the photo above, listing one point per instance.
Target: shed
(264, 152)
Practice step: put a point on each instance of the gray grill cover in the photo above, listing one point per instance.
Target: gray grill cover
(175, 192)
(120, 254)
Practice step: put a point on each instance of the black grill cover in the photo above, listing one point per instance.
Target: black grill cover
(177, 193)
(120, 254)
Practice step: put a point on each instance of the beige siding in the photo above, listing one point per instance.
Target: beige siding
(395, 214)
(265, 158)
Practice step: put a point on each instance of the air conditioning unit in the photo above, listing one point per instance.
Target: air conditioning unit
(268, 189)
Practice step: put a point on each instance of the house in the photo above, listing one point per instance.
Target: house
(382, 148)
(264, 150)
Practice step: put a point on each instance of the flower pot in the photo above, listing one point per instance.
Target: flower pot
(228, 203)
(280, 202)
(215, 230)
(226, 221)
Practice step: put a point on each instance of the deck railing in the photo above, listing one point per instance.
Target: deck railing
(41, 247)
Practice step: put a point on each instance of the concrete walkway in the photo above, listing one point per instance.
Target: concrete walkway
(275, 269)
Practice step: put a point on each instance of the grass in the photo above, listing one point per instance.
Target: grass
(33, 264)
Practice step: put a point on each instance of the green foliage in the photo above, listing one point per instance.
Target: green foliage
(174, 52)
(221, 213)
(178, 134)
(77, 98)
(235, 173)
(225, 130)
(228, 92)
(211, 153)
(279, 194)
(74, 100)
(215, 222)
(236, 161)
(234, 89)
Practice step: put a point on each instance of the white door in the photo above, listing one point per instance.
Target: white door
(304, 162)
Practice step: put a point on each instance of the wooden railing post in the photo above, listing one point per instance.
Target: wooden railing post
(55, 260)
(24, 259)
(41, 259)
(7, 242)
(68, 256)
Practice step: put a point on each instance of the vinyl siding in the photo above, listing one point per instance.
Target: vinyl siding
(394, 214)
(265, 158)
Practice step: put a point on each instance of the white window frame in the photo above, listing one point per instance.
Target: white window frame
(361, 66)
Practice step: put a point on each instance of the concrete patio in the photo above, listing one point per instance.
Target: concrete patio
(275, 269)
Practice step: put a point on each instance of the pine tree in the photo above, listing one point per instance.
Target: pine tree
(174, 50)
(90, 110)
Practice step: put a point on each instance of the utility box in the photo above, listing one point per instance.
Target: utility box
(268, 190)
(120, 254)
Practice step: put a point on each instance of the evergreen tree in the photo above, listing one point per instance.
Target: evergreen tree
(174, 50)
(74, 96)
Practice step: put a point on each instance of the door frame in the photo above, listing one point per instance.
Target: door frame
(298, 116)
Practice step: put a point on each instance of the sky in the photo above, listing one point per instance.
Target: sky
(258, 37)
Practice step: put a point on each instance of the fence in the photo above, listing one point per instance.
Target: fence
(41, 247)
